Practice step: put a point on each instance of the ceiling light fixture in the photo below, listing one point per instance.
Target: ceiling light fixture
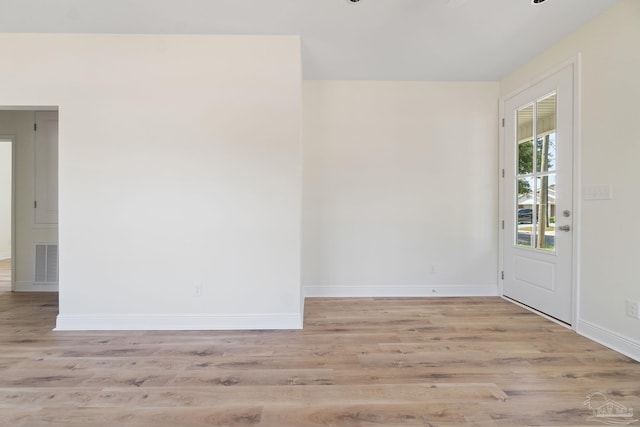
(353, 1)
(537, 1)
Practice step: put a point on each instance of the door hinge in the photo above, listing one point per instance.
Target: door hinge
(503, 122)
(503, 173)
(502, 225)
(35, 127)
(502, 275)
(35, 204)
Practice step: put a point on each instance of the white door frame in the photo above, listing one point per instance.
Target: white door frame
(574, 61)
(12, 231)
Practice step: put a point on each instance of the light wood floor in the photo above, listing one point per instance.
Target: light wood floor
(5, 275)
(358, 362)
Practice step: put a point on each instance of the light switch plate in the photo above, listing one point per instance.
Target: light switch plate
(598, 192)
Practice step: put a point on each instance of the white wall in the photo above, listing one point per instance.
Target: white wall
(5, 198)
(19, 124)
(610, 148)
(400, 188)
(179, 164)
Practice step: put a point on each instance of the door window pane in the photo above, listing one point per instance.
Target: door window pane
(524, 212)
(546, 134)
(545, 229)
(525, 157)
(525, 140)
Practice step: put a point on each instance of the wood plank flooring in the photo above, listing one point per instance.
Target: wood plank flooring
(358, 362)
(5, 275)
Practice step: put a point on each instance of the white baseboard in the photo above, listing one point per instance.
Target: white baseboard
(401, 291)
(5, 255)
(35, 287)
(614, 341)
(75, 322)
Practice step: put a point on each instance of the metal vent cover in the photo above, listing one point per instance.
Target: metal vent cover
(46, 263)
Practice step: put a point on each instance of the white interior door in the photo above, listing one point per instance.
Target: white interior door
(538, 196)
(46, 167)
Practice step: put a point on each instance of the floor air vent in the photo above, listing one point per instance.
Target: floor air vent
(46, 263)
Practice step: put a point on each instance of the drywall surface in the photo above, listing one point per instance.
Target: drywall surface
(179, 175)
(400, 188)
(609, 148)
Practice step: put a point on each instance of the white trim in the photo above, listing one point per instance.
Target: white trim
(575, 62)
(501, 218)
(5, 255)
(35, 287)
(28, 108)
(14, 150)
(401, 291)
(577, 185)
(142, 322)
(608, 338)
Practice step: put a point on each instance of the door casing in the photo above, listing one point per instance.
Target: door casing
(11, 139)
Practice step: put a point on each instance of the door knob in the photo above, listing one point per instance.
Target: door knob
(564, 228)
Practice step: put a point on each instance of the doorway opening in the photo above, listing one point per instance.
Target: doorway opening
(29, 199)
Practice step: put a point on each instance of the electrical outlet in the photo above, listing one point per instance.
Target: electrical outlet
(632, 309)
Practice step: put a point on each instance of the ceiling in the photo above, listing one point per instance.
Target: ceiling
(449, 40)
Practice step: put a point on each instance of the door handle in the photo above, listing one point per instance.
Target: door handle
(564, 228)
